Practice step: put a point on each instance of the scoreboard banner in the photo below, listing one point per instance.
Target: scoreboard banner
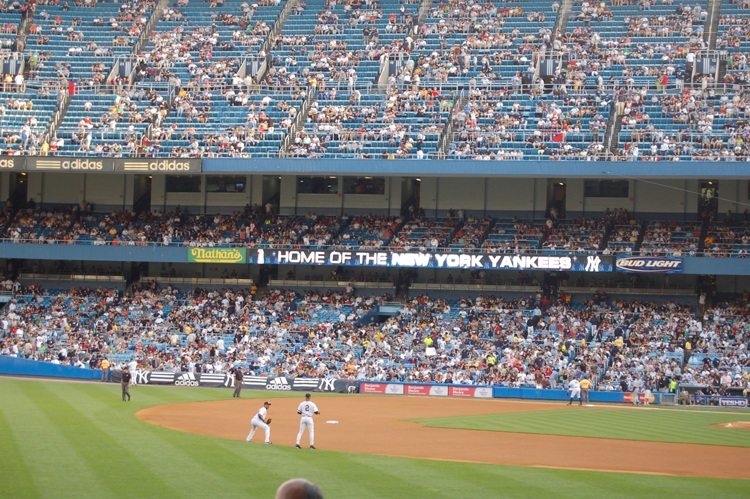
(433, 260)
(224, 380)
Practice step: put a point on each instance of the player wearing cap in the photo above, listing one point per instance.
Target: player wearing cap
(260, 421)
(574, 387)
(125, 383)
(307, 409)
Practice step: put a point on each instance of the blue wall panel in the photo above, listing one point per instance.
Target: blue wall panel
(534, 394)
(26, 367)
(94, 253)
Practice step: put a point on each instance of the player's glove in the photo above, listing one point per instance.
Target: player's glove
(268, 421)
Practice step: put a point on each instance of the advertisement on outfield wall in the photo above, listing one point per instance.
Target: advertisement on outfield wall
(425, 389)
(171, 166)
(381, 388)
(735, 402)
(628, 397)
(650, 265)
(223, 380)
(432, 260)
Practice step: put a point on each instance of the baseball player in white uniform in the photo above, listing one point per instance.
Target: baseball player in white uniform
(307, 409)
(575, 391)
(260, 421)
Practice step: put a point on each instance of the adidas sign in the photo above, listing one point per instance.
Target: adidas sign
(7, 163)
(187, 379)
(278, 384)
(169, 166)
(82, 164)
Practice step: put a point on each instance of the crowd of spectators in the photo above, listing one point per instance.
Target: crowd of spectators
(539, 341)
(614, 233)
(565, 117)
(671, 239)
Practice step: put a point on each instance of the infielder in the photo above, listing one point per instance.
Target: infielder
(259, 421)
(307, 409)
(575, 391)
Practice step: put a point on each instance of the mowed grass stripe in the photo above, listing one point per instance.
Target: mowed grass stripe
(108, 459)
(45, 445)
(656, 426)
(17, 479)
(208, 469)
(228, 460)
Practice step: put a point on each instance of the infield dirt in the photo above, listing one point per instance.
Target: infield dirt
(737, 425)
(373, 425)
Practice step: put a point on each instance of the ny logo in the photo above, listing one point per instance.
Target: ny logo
(592, 265)
(327, 385)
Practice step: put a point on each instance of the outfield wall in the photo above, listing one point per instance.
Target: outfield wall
(483, 391)
(26, 367)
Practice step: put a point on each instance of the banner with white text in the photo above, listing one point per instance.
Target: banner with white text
(432, 260)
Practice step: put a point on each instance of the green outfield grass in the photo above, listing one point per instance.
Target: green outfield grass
(654, 425)
(74, 440)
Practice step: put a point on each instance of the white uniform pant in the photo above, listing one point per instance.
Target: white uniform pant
(306, 421)
(575, 392)
(257, 423)
(647, 394)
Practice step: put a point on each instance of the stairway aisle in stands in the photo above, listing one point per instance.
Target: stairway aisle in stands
(614, 125)
(270, 40)
(446, 139)
(711, 29)
(149, 28)
(561, 23)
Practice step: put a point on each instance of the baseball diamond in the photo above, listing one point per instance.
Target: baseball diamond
(388, 434)
(58, 444)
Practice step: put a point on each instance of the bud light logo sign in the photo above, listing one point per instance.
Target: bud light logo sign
(650, 265)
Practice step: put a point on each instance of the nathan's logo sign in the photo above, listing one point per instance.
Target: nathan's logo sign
(69, 164)
(650, 264)
(217, 255)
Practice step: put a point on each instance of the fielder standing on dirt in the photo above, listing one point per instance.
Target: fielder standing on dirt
(307, 409)
(260, 421)
(574, 388)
